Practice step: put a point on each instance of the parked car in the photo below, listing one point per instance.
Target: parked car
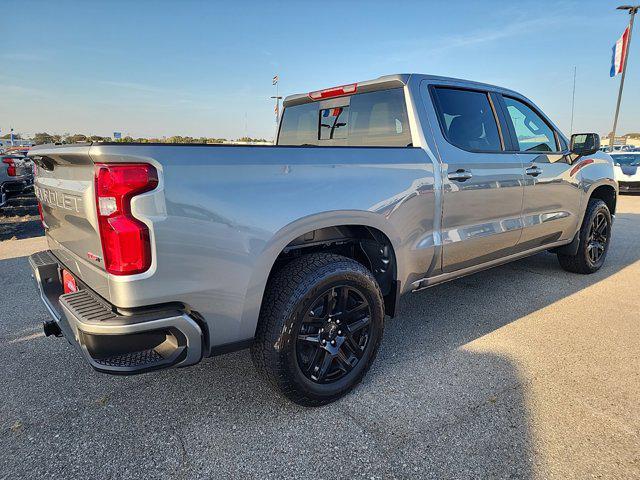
(618, 148)
(16, 176)
(627, 171)
(160, 255)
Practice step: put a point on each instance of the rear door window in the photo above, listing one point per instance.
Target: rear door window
(375, 119)
(467, 119)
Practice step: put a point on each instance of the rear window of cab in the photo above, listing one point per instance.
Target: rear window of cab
(373, 119)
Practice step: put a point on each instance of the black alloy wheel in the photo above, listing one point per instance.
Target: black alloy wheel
(320, 326)
(334, 334)
(598, 237)
(594, 238)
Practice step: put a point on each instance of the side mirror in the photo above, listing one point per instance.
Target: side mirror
(585, 143)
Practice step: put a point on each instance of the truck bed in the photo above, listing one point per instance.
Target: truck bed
(221, 214)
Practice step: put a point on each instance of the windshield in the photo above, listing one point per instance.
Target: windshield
(626, 159)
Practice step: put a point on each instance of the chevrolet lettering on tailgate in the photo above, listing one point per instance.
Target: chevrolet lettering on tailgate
(58, 199)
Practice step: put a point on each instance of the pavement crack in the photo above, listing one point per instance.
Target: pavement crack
(182, 470)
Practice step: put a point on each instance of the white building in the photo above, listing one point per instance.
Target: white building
(5, 142)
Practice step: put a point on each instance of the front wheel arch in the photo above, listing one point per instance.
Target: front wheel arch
(608, 195)
(579, 261)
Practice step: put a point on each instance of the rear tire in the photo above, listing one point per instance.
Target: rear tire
(320, 326)
(595, 237)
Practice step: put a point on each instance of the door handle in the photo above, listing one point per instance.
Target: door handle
(533, 170)
(460, 175)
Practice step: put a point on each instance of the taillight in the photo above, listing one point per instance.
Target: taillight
(44, 225)
(11, 166)
(68, 282)
(126, 247)
(334, 92)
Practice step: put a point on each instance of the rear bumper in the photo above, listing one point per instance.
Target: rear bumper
(112, 342)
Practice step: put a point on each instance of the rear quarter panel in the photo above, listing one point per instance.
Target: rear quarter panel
(227, 212)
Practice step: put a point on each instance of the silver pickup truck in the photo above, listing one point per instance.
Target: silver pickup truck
(16, 175)
(160, 255)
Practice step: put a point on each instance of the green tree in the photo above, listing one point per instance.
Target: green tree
(43, 137)
(76, 138)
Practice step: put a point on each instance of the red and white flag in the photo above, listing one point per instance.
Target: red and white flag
(619, 53)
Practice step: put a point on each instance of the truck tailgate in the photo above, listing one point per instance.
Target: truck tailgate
(64, 185)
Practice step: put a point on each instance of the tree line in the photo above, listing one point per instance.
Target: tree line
(626, 135)
(43, 137)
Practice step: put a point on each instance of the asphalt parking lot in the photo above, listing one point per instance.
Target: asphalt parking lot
(523, 371)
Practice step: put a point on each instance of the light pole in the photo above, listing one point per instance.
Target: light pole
(632, 9)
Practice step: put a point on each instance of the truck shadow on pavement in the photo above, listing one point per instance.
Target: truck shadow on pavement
(431, 407)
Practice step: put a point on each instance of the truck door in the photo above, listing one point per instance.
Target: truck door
(551, 208)
(482, 179)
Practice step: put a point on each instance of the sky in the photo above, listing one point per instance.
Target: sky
(161, 68)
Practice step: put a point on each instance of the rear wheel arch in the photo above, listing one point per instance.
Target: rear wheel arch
(267, 262)
(272, 260)
(366, 244)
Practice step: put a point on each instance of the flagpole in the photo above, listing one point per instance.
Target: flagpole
(277, 97)
(632, 12)
(573, 98)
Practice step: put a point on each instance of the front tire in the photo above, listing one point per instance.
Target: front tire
(320, 327)
(595, 237)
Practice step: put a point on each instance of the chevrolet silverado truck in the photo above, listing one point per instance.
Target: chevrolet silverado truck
(16, 176)
(161, 255)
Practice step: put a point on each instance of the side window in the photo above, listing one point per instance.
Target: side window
(533, 133)
(299, 125)
(379, 119)
(467, 119)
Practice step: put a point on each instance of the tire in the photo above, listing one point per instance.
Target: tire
(591, 241)
(302, 307)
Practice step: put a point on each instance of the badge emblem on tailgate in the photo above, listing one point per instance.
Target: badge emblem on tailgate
(58, 199)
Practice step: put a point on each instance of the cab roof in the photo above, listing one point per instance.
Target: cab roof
(392, 81)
